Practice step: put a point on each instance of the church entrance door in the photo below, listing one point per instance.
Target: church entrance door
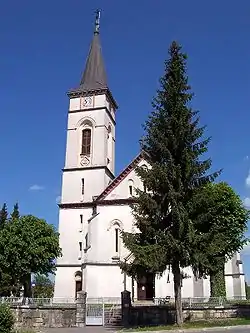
(145, 287)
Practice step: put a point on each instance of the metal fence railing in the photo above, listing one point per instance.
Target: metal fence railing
(203, 302)
(104, 300)
(15, 301)
(108, 302)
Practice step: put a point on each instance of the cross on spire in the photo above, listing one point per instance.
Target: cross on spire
(97, 21)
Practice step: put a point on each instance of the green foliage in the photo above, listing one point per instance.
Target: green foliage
(44, 288)
(218, 283)
(247, 291)
(220, 219)
(3, 216)
(7, 319)
(28, 245)
(173, 146)
(15, 214)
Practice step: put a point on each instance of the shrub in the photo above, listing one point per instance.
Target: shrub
(7, 319)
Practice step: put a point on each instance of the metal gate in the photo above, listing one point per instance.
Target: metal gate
(95, 312)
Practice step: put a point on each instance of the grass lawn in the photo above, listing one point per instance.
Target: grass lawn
(196, 324)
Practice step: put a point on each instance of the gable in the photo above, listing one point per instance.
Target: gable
(122, 186)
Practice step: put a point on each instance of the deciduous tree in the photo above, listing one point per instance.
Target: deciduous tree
(220, 220)
(28, 245)
(44, 287)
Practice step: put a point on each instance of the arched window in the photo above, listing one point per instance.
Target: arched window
(116, 227)
(86, 141)
(144, 185)
(130, 187)
(78, 282)
(110, 153)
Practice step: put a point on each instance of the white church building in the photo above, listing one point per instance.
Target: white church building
(95, 203)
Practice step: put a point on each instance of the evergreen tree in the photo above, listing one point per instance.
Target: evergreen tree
(173, 146)
(3, 216)
(15, 214)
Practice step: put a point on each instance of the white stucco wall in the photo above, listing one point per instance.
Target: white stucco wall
(71, 233)
(104, 281)
(65, 283)
(95, 181)
(122, 190)
(102, 232)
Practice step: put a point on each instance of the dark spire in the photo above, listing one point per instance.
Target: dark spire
(94, 76)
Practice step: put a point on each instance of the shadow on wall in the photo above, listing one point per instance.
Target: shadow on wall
(151, 316)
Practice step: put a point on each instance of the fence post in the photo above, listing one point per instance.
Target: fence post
(126, 305)
(81, 309)
(103, 312)
(190, 302)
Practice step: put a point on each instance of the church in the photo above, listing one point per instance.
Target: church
(95, 204)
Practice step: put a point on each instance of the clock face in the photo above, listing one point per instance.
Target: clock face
(87, 101)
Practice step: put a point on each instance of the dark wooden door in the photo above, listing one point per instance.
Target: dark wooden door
(141, 291)
(145, 287)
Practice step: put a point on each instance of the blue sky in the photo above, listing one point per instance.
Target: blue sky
(44, 45)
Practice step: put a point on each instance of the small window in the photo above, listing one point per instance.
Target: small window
(82, 186)
(94, 210)
(80, 246)
(87, 241)
(116, 240)
(81, 218)
(130, 187)
(86, 141)
(131, 190)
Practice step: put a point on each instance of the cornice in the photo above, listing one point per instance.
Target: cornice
(95, 109)
(74, 93)
(112, 202)
(94, 167)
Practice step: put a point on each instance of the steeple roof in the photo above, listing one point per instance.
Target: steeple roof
(94, 76)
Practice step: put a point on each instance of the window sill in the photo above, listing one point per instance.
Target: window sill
(84, 155)
(86, 249)
(115, 258)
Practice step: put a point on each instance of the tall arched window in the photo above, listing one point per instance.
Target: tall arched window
(130, 187)
(86, 141)
(116, 227)
(78, 282)
(110, 153)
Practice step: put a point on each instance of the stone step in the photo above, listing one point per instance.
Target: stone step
(113, 318)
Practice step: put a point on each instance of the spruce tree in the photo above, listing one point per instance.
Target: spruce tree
(173, 145)
(15, 214)
(3, 216)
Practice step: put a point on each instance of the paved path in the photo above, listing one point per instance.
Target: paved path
(88, 329)
(100, 329)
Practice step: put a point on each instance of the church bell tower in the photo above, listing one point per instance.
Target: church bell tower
(90, 148)
(89, 165)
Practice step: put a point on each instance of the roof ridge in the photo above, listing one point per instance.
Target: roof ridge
(120, 177)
